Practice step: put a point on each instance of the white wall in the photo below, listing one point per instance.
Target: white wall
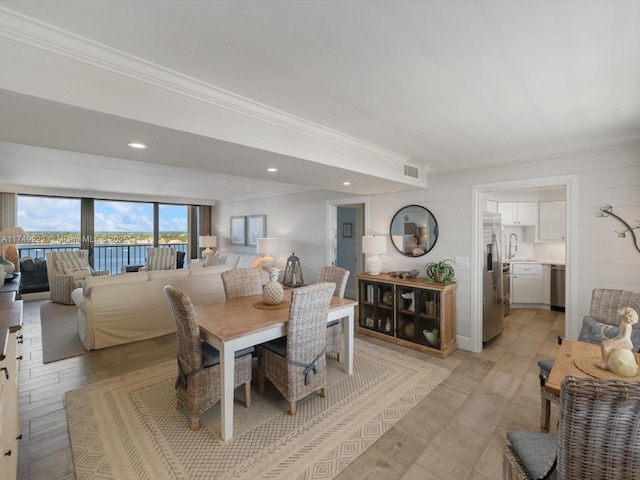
(596, 256)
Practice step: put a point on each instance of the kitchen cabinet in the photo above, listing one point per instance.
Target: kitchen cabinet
(552, 221)
(518, 214)
(527, 283)
(413, 313)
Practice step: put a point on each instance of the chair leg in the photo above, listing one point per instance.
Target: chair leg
(323, 392)
(195, 423)
(261, 384)
(339, 357)
(545, 413)
(292, 409)
(247, 394)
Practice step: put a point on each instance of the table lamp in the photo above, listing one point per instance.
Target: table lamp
(10, 236)
(267, 246)
(209, 242)
(373, 245)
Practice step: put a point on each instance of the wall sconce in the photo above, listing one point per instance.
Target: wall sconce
(373, 245)
(209, 242)
(268, 246)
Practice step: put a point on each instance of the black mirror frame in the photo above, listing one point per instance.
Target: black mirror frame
(435, 232)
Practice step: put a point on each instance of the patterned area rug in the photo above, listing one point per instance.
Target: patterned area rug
(128, 427)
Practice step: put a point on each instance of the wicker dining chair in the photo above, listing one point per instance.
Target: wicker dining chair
(598, 435)
(296, 364)
(198, 383)
(241, 282)
(335, 335)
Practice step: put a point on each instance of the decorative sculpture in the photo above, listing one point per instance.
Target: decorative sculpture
(628, 317)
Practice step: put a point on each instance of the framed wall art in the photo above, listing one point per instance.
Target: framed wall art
(256, 228)
(347, 230)
(237, 231)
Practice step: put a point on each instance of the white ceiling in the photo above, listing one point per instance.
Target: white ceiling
(362, 86)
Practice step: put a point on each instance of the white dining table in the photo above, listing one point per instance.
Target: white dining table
(237, 324)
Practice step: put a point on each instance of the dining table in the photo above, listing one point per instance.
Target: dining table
(246, 322)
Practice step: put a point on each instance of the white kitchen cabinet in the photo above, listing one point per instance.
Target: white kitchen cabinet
(546, 284)
(552, 221)
(527, 283)
(518, 214)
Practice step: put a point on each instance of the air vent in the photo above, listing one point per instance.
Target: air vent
(411, 171)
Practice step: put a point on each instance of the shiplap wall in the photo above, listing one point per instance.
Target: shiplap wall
(602, 259)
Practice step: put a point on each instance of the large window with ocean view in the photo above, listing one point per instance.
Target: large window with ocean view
(117, 233)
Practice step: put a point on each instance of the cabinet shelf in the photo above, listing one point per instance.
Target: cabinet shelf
(414, 313)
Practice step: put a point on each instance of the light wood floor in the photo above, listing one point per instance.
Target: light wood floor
(456, 432)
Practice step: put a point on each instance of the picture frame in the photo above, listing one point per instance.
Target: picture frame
(256, 228)
(347, 230)
(237, 231)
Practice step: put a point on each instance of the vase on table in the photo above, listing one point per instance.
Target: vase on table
(272, 292)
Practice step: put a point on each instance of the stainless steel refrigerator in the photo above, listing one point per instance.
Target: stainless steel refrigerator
(493, 295)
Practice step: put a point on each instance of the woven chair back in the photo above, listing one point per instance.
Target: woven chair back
(599, 430)
(187, 330)
(241, 282)
(337, 275)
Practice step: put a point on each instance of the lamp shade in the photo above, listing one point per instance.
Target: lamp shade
(373, 244)
(208, 241)
(267, 245)
(12, 235)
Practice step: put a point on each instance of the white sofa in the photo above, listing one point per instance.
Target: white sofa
(128, 307)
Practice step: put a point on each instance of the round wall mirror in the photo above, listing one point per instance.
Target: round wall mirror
(414, 231)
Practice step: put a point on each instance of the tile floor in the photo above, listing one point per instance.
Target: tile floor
(456, 432)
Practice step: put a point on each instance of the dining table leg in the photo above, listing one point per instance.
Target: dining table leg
(348, 330)
(227, 360)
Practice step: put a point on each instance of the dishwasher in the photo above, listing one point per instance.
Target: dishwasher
(557, 288)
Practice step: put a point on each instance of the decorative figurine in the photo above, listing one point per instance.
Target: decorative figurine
(628, 317)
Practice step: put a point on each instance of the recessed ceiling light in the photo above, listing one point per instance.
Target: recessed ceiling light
(272, 169)
(346, 183)
(137, 145)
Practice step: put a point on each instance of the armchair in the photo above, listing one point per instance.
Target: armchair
(335, 337)
(66, 271)
(160, 258)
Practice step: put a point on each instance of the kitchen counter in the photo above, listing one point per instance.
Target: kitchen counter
(542, 262)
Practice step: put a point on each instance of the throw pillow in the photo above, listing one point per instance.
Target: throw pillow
(212, 259)
(78, 273)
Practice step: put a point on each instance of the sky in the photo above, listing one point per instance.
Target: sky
(51, 214)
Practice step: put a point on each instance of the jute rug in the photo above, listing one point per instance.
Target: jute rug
(128, 427)
(59, 325)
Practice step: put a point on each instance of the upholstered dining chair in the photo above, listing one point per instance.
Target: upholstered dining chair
(598, 436)
(296, 364)
(335, 336)
(198, 382)
(241, 282)
(160, 258)
(66, 271)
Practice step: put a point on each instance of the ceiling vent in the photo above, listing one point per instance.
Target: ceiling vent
(411, 171)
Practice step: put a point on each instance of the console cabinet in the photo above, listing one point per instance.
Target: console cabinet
(414, 313)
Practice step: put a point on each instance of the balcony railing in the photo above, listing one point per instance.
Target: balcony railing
(105, 257)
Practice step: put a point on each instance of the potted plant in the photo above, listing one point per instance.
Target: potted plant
(440, 272)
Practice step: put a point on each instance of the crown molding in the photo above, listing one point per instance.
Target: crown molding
(46, 37)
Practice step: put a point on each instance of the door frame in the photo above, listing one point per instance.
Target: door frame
(570, 182)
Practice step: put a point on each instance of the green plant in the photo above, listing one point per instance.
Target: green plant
(440, 272)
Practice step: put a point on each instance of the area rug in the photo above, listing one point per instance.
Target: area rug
(128, 427)
(59, 325)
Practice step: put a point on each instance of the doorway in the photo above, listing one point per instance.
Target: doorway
(347, 225)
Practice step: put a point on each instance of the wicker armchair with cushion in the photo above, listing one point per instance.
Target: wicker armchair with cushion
(296, 364)
(198, 382)
(598, 436)
(66, 271)
(335, 336)
(601, 324)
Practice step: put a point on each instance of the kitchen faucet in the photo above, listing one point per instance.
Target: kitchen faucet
(515, 247)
